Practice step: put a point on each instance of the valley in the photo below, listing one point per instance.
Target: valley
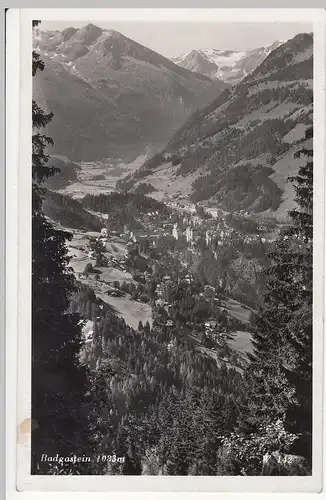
(219, 189)
(125, 266)
(100, 177)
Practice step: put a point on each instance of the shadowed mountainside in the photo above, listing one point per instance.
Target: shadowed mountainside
(111, 96)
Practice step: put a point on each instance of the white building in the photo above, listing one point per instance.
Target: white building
(209, 236)
(189, 234)
(176, 232)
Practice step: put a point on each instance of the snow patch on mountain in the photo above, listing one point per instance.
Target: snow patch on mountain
(229, 66)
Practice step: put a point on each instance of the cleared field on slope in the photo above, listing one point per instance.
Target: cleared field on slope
(78, 252)
(130, 310)
(168, 184)
(241, 342)
(79, 260)
(285, 167)
(237, 310)
(110, 274)
(127, 308)
(79, 189)
(116, 246)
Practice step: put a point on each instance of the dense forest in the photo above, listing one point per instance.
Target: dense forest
(123, 209)
(156, 396)
(138, 202)
(69, 212)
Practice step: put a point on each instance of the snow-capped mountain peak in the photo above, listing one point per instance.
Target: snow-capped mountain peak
(230, 66)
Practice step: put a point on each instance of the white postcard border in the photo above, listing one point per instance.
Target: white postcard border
(157, 483)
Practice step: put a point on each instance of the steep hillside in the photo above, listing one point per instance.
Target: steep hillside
(66, 172)
(69, 213)
(238, 152)
(229, 66)
(111, 96)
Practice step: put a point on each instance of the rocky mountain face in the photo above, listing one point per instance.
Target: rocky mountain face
(238, 152)
(111, 96)
(229, 66)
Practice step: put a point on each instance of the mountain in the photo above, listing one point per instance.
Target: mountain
(230, 66)
(111, 96)
(238, 152)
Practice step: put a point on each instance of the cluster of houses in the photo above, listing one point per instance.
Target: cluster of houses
(210, 327)
(137, 236)
(188, 228)
(192, 230)
(131, 236)
(213, 334)
(156, 226)
(215, 233)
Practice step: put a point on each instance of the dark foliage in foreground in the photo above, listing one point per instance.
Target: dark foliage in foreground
(61, 399)
(280, 373)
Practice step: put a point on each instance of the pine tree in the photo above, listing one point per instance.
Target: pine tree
(59, 382)
(299, 332)
(279, 379)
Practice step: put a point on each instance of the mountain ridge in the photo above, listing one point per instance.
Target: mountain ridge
(236, 153)
(132, 97)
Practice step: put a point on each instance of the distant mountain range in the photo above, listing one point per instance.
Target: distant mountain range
(238, 152)
(111, 96)
(230, 66)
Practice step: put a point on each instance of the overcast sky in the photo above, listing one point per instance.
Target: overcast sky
(174, 38)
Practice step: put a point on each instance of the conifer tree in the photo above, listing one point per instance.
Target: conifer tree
(299, 331)
(59, 382)
(279, 379)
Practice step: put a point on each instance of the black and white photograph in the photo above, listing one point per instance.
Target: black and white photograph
(172, 283)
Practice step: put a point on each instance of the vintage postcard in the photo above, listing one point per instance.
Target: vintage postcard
(171, 246)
